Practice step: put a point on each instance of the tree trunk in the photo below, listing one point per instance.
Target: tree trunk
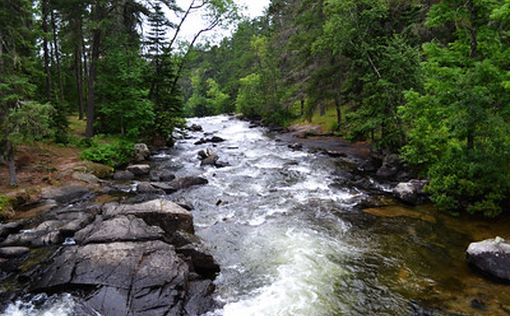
(46, 51)
(57, 56)
(78, 67)
(302, 107)
(322, 108)
(12, 164)
(96, 41)
(338, 113)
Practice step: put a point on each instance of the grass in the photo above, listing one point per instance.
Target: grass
(328, 121)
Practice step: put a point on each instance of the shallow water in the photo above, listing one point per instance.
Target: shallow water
(291, 243)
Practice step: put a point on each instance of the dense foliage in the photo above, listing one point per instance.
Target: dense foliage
(426, 79)
(92, 58)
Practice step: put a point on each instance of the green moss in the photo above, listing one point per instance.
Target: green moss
(6, 209)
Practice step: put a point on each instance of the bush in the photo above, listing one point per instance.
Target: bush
(114, 154)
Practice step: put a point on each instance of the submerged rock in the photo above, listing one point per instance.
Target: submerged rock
(491, 257)
(195, 128)
(187, 182)
(214, 140)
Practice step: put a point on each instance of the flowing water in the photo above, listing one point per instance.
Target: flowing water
(291, 241)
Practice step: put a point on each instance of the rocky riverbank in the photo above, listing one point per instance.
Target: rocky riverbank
(115, 248)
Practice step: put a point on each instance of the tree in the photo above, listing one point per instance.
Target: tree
(459, 125)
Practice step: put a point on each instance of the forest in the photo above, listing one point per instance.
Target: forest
(426, 79)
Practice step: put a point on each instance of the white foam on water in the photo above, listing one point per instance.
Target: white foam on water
(303, 281)
(63, 306)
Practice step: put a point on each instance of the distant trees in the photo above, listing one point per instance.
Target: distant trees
(427, 79)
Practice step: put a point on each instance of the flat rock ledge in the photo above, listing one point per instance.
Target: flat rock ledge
(491, 257)
(140, 259)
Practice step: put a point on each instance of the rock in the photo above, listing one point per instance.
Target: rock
(199, 300)
(139, 170)
(187, 182)
(165, 214)
(141, 152)
(210, 161)
(67, 194)
(296, 146)
(214, 139)
(202, 261)
(167, 188)
(13, 252)
(390, 166)
(411, 192)
(99, 170)
(147, 188)
(154, 176)
(142, 278)
(86, 177)
(10, 228)
(123, 175)
(122, 228)
(166, 175)
(491, 257)
(40, 237)
(196, 128)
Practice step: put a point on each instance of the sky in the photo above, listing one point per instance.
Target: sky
(250, 8)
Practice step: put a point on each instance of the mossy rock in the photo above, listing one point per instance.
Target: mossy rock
(99, 170)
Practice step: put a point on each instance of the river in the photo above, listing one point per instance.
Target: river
(291, 241)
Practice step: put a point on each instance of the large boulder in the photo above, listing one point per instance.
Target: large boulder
(121, 228)
(165, 214)
(129, 278)
(67, 194)
(141, 152)
(491, 257)
(139, 170)
(411, 192)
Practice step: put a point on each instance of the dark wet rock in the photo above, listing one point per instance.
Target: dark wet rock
(121, 228)
(154, 176)
(165, 187)
(195, 128)
(141, 152)
(147, 188)
(184, 204)
(411, 192)
(296, 146)
(123, 175)
(165, 214)
(334, 153)
(199, 300)
(13, 252)
(142, 278)
(10, 228)
(214, 140)
(67, 194)
(491, 257)
(187, 182)
(166, 175)
(200, 259)
(210, 160)
(390, 166)
(139, 170)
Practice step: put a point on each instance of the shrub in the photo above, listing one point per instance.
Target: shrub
(114, 154)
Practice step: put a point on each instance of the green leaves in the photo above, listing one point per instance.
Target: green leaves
(28, 122)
